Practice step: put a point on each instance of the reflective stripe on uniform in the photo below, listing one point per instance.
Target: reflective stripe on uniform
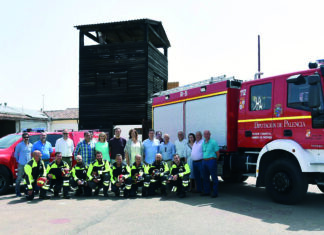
(45, 187)
(185, 183)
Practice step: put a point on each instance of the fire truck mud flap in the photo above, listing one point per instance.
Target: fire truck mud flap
(285, 183)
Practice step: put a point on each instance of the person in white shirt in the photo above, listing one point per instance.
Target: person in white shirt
(65, 146)
(181, 146)
(196, 157)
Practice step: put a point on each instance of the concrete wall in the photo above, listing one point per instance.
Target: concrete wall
(31, 124)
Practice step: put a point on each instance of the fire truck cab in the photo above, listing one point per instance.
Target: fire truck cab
(270, 128)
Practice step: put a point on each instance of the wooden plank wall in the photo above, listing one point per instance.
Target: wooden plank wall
(116, 81)
(112, 84)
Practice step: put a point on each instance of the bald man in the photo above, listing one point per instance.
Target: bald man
(34, 169)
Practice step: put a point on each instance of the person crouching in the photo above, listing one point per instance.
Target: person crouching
(58, 174)
(34, 172)
(179, 176)
(99, 175)
(121, 177)
(79, 178)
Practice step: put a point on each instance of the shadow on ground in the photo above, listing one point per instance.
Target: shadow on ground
(247, 200)
(243, 199)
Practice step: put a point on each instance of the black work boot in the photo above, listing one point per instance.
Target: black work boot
(78, 192)
(105, 192)
(117, 193)
(96, 192)
(164, 193)
(43, 196)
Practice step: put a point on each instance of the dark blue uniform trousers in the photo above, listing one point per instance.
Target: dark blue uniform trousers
(210, 169)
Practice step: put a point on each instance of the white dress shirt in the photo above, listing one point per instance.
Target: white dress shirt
(66, 147)
(197, 151)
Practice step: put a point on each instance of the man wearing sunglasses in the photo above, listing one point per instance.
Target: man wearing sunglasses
(65, 146)
(22, 155)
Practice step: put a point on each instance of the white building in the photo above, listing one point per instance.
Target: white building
(14, 119)
(63, 119)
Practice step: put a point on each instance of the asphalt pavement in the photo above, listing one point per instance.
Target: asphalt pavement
(240, 208)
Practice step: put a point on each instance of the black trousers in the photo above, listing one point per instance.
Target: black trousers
(123, 187)
(135, 187)
(156, 183)
(81, 189)
(31, 197)
(180, 184)
(59, 183)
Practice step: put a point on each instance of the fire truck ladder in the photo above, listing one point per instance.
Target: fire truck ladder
(194, 85)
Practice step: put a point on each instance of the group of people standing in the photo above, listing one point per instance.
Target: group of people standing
(126, 165)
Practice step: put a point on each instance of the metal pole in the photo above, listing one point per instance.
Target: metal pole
(43, 102)
(259, 59)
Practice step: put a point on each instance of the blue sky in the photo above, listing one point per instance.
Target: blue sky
(39, 45)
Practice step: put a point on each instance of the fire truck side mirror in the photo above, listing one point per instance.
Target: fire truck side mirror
(297, 79)
(314, 79)
(314, 91)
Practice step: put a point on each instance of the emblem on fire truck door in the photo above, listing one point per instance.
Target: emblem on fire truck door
(278, 110)
(308, 133)
(242, 102)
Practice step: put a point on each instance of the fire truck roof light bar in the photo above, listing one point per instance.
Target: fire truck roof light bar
(194, 85)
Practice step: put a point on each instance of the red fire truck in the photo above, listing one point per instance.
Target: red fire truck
(270, 128)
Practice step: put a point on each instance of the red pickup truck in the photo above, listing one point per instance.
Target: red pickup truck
(8, 164)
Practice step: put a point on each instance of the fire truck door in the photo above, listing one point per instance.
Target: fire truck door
(258, 123)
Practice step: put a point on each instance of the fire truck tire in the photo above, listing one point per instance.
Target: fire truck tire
(235, 178)
(285, 183)
(4, 180)
(321, 187)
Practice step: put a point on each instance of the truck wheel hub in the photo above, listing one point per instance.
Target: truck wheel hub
(281, 181)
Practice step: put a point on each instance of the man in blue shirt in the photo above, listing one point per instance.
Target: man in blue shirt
(22, 155)
(167, 149)
(209, 164)
(151, 148)
(44, 147)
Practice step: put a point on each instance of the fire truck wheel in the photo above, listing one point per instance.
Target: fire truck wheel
(4, 180)
(285, 183)
(321, 187)
(235, 178)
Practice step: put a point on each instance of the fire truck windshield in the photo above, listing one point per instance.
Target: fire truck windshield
(308, 96)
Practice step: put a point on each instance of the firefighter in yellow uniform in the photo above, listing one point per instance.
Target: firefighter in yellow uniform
(121, 177)
(99, 175)
(34, 169)
(158, 175)
(79, 178)
(58, 174)
(138, 172)
(179, 176)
